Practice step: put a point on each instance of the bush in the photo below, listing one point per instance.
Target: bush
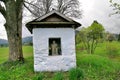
(76, 74)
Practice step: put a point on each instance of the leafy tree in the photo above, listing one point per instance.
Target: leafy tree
(91, 35)
(67, 7)
(95, 32)
(12, 12)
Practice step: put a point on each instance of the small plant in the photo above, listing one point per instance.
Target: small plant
(39, 77)
(76, 74)
(58, 76)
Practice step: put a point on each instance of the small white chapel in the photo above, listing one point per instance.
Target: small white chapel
(53, 42)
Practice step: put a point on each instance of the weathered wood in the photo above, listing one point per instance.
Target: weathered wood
(52, 23)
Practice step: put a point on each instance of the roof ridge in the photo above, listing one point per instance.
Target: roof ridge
(52, 12)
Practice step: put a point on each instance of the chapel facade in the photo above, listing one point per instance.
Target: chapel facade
(53, 42)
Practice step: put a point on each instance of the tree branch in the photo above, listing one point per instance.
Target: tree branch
(31, 11)
(28, 9)
(2, 11)
(31, 4)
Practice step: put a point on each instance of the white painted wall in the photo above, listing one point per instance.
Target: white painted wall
(44, 62)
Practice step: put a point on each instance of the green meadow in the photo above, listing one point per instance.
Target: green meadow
(104, 64)
(27, 52)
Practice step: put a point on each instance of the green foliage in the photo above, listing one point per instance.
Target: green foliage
(94, 61)
(91, 36)
(3, 54)
(95, 31)
(40, 76)
(16, 71)
(105, 49)
(112, 50)
(27, 52)
(81, 37)
(76, 74)
(77, 38)
(58, 76)
(98, 66)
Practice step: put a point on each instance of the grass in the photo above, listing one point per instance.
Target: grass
(76, 74)
(3, 54)
(58, 76)
(27, 52)
(106, 49)
(98, 66)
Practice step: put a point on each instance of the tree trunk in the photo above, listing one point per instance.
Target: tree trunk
(13, 28)
(15, 45)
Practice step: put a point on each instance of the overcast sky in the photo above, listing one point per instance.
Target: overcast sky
(92, 10)
(99, 10)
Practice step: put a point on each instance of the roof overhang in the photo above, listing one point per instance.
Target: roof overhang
(40, 23)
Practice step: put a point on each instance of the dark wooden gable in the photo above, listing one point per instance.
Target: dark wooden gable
(53, 19)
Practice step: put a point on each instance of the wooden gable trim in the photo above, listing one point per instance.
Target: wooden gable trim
(51, 13)
(38, 23)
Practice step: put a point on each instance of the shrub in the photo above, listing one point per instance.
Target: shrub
(76, 74)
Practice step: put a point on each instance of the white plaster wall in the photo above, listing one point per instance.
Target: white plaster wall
(44, 62)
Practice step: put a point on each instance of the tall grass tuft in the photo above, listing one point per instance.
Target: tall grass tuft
(40, 76)
(58, 76)
(76, 74)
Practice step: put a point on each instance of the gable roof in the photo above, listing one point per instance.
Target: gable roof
(41, 23)
(51, 13)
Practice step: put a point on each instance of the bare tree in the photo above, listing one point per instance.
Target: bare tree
(12, 12)
(38, 7)
(70, 8)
